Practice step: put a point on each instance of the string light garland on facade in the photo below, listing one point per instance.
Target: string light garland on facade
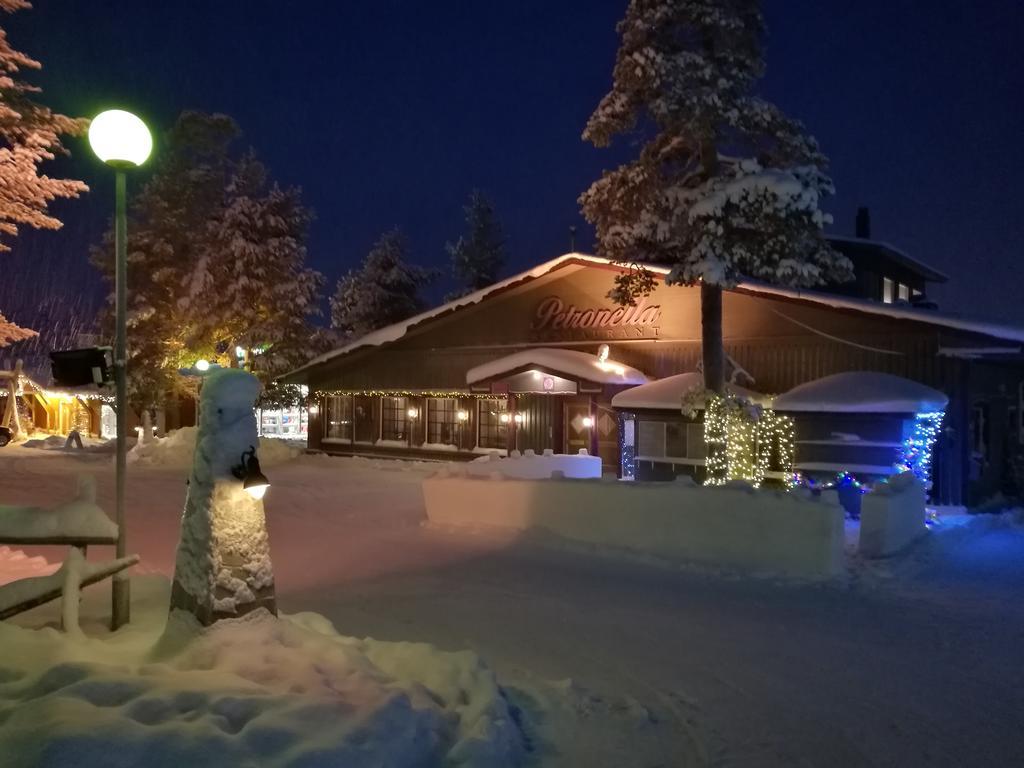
(627, 450)
(404, 393)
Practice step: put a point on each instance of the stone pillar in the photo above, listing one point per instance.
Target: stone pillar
(223, 567)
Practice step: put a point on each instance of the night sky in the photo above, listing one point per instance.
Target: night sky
(387, 113)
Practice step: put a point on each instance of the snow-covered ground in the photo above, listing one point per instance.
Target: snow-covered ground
(613, 662)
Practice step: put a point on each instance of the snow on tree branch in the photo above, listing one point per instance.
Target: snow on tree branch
(29, 135)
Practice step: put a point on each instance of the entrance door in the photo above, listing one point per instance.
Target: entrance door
(577, 434)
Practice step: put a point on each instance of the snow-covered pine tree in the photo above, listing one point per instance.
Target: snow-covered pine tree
(168, 233)
(251, 287)
(726, 186)
(479, 254)
(29, 135)
(384, 290)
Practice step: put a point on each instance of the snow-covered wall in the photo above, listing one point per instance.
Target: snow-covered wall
(732, 526)
(529, 466)
(892, 516)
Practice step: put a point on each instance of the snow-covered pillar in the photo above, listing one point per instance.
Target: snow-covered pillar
(223, 565)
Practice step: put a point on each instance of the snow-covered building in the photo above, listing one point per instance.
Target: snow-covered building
(544, 360)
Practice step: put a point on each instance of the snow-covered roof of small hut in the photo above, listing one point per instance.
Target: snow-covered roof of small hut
(862, 392)
(398, 330)
(579, 365)
(667, 394)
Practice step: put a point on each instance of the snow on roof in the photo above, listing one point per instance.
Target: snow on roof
(862, 392)
(926, 271)
(396, 331)
(577, 364)
(667, 394)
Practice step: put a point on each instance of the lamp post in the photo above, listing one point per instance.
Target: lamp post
(122, 141)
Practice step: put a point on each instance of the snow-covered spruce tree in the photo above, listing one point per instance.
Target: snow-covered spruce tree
(725, 185)
(29, 135)
(250, 286)
(168, 234)
(479, 254)
(384, 290)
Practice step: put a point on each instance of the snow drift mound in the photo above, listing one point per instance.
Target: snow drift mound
(177, 448)
(255, 691)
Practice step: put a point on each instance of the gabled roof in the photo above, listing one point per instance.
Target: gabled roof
(397, 331)
(854, 246)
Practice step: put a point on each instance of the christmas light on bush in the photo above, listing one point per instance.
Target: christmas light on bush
(916, 452)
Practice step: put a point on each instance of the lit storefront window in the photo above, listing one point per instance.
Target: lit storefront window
(493, 430)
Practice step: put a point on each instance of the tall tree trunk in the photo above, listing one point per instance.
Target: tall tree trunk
(712, 349)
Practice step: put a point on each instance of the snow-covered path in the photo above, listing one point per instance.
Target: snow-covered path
(913, 662)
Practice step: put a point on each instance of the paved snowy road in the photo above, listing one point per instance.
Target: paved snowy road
(912, 663)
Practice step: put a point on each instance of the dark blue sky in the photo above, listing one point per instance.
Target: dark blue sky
(388, 112)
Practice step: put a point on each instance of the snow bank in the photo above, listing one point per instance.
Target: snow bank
(529, 466)
(177, 448)
(733, 526)
(861, 392)
(892, 516)
(245, 692)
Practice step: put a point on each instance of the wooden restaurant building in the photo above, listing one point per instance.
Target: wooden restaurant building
(535, 362)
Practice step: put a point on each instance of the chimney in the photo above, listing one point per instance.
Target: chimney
(863, 226)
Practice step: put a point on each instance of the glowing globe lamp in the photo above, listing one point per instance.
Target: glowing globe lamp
(120, 138)
(202, 366)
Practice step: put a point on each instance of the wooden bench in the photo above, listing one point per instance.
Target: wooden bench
(78, 524)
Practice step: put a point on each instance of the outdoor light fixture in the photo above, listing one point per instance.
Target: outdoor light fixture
(120, 139)
(519, 418)
(537, 375)
(412, 413)
(254, 482)
(462, 415)
(504, 418)
(588, 421)
(202, 366)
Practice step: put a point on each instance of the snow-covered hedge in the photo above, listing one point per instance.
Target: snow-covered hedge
(177, 448)
(892, 516)
(530, 466)
(733, 526)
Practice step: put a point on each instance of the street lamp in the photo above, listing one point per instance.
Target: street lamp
(122, 141)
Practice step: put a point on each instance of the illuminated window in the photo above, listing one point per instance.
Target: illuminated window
(887, 290)
(393, 418)
(493, 432)
(338, 424)
(904, 292)
(442, 421)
